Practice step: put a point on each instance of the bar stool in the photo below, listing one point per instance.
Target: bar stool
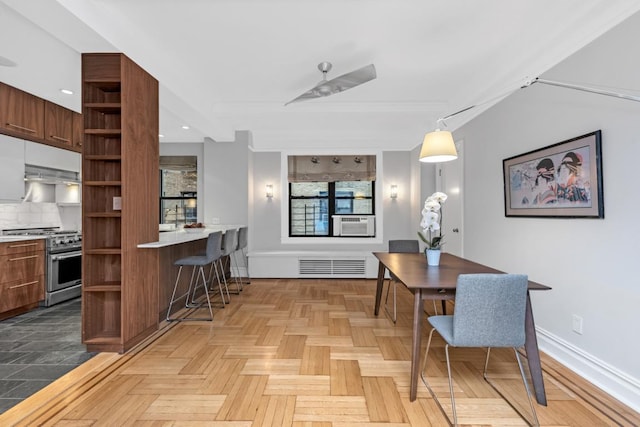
(241, 248)
(198, 262)
(229, 245)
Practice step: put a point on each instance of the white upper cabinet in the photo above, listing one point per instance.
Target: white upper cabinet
(51, 157)
(11, 169)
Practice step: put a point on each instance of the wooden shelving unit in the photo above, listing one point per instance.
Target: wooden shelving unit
(120, 202)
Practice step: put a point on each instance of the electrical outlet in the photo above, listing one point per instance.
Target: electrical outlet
(215, 221)
(576, 324)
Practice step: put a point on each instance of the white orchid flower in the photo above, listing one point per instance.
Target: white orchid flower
(431, 205)
(430, 221)
(439, 197)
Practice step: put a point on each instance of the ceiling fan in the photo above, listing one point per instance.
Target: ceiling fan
(329, 87)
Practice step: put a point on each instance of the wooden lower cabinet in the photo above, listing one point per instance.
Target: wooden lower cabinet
(21, 276)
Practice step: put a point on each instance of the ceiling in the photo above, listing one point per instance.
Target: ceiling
(230, 65)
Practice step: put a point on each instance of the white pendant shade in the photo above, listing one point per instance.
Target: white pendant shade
(438, 146)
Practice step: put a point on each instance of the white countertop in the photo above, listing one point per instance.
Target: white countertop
(168, 238)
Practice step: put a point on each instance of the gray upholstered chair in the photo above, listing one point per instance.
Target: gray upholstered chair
(198, 262)
(489, 312)
(407, 246)
(398, 246)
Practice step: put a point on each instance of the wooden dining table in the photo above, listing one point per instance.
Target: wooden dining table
(439, 282)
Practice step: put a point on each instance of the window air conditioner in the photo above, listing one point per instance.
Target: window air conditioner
(354, 226)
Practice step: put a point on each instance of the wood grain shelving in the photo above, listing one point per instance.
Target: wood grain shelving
(119, 279)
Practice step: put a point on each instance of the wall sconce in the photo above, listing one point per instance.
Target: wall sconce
(269, 190)
(393, 192)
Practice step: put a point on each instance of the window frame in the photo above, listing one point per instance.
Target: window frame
(331, 198)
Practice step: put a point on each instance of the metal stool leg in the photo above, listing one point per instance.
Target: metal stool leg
(233, 260)
(224, 279)
(193, 285)
(246, 264)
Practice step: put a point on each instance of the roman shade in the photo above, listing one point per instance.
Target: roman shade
(331, 168)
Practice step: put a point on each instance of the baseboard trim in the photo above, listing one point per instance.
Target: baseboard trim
(611, 380)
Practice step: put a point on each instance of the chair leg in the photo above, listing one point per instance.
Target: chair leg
(233, 260)
(394, 316)
(206, 291)
(453, 399)
(215, 266)
(192, 291)
(426, 383)
(224, 264)
(173, 294)
(526, 387)
(190, 294)
(246, 264)
(224, 279)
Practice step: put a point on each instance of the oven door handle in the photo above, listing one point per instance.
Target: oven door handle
(65, 256)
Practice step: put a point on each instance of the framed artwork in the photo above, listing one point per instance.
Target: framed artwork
(561, 180)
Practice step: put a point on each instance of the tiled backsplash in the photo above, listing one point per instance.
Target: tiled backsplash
(26, 214)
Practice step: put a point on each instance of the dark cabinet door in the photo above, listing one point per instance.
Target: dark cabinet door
(21, 114)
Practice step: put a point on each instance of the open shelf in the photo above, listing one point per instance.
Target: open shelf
(117, 276)
(104, 107)
(104, 287)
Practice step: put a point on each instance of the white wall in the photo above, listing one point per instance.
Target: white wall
(226, 180)
(589, 263)
(401, 217)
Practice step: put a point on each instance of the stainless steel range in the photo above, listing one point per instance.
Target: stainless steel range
(64, 262)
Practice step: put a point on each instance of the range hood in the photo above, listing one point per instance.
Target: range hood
(45, 175)
(48, 185)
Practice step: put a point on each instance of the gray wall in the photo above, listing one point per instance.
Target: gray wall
(226, 180)
(400, 217)
(589, 263)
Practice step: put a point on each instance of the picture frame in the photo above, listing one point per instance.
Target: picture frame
(563, 180)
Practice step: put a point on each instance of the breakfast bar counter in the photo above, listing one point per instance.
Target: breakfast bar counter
(170, 238)
(171, 246)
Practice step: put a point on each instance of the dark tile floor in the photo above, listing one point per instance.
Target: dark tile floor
(37, 348)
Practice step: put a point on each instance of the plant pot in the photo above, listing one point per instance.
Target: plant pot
(433, 256)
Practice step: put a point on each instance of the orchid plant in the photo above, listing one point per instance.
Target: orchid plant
(431, 223)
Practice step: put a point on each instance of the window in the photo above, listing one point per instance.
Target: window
(323, 186)
(313, 204)
(178, 190)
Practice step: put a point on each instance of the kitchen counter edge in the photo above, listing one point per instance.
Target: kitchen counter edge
(169, 238)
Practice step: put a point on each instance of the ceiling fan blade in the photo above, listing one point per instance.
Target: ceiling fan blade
(339, 84)
(353, 79)
(310, 94)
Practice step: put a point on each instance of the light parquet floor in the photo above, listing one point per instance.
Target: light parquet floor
(301, 353)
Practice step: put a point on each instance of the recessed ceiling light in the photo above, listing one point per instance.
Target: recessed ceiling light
(185, 127)
(161, 135)
(66, 91)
